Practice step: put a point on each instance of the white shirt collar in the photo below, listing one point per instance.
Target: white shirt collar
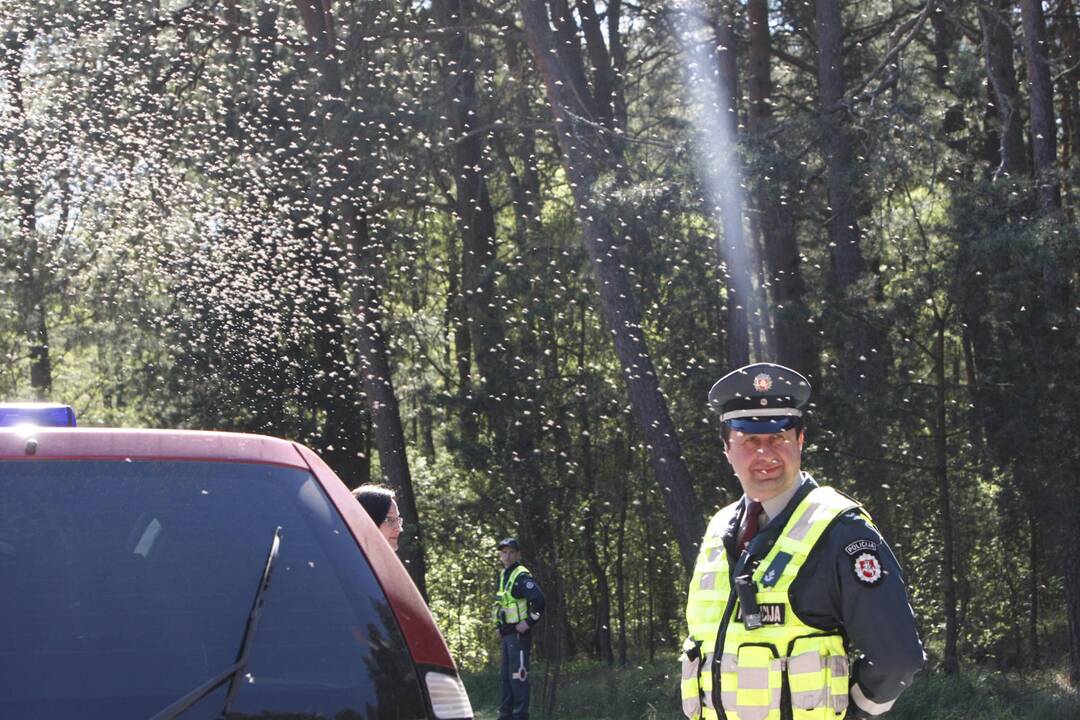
(774, 506)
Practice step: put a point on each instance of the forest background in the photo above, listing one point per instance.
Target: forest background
(495, 253)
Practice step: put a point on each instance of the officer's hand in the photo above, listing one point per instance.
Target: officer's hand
(522, 627)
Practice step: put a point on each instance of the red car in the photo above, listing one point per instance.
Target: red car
(163, 574)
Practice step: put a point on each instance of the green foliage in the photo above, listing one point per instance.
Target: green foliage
(589, 691)
(1031, 696)
(173, 180)
(461, 559)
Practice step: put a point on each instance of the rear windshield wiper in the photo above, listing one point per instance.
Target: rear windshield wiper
(232, 673)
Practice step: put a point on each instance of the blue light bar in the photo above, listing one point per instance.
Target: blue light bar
(41, 414)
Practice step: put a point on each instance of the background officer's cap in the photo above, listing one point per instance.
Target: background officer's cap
(760, 398)
(508, 542)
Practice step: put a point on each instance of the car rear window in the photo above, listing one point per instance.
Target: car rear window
(126, 584)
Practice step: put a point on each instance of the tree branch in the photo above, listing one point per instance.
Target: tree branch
(912, 27)
(793, 60)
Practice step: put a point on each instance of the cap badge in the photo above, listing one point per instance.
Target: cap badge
(762, 383)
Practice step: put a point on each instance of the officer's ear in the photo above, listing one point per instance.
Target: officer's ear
(727, 449)
(725, 436)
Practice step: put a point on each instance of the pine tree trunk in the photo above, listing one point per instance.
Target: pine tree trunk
(1072, 589)
(374, 369)
(951, 659)
(475, 219)
(504, 392)
(25, 258)
(602, 625)
(620, 573)
(367, 305)
(735, 253)
(342, 436)
(838, 142)
(1041, 94)
(584, 151)
(863, 347)
(605, 87)
(1033, 582)
(712, 78)
(998, 49)
(588, 535)
(650, 575)
(1069, 30)
(794, 344)
(460, 350)
(944, 37)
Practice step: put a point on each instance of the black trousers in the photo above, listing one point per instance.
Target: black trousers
(514, 673)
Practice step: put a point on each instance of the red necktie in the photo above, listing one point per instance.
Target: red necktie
(750, 524)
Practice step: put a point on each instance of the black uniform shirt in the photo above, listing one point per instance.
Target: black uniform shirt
(525, 587)
(850, 582)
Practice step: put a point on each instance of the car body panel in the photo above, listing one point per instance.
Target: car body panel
(107, 444)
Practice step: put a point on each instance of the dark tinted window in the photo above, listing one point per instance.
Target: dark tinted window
(123, 585)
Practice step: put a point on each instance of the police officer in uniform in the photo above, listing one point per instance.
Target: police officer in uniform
(797, 607)
(519, 603)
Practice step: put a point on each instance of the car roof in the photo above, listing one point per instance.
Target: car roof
(104, 443)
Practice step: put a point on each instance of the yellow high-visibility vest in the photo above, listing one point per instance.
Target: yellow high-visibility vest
(509, 609)
(753, 664)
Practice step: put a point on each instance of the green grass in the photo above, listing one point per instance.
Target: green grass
(590, 691)
(976, 695)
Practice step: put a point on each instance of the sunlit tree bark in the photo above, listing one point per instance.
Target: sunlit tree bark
(374, 366)
(585, 156)
(27, 253)
(795, 345)
(998, 53)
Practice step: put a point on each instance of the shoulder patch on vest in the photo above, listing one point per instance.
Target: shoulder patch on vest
(859, 546)
(775, 569)
(867, 568)
(530, 584)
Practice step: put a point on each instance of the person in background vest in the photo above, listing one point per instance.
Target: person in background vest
(797, 607)
(519, 603)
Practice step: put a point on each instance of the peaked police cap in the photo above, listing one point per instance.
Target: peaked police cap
(760, 398)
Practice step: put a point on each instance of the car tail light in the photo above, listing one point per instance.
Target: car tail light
(448, 698)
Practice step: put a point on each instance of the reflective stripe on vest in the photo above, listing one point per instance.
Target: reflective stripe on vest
(709, 590)
(753, 663)
(691, 697)
(509, 609)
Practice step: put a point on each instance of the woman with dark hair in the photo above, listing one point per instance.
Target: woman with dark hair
(379, 502)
